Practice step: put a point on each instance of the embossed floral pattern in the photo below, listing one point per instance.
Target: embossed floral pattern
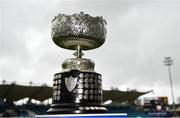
(78, 27)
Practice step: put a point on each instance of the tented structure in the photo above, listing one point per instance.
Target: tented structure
(15, 92)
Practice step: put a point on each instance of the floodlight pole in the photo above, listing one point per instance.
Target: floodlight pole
(168, 62)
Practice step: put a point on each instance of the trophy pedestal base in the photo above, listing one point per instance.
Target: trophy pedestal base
(77, 92)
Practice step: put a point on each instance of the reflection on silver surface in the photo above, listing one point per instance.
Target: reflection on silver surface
(86, 80)
(91, 91)
(54, 94)
(80, 86)
(58, 97)
(59, 87)
(56, 82)
(70, 83)
(59, 81)
(80, 91)
(58, 92)
(92, 108)
(86, 85)
(91, 80)
(81, 81)
(86, 75)
(87, 108)
(92, 86)
(80, 97)
(81, 108)
(77, 100)
(81, 75)
(75, 90)
(86, 97)
(59, 76)
(54, 87)
(86, 92)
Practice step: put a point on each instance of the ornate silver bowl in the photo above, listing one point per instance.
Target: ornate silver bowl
(70, 31)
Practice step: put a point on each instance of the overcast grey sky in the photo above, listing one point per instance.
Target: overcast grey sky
(140, 33)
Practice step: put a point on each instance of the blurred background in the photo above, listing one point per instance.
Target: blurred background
(139, 62)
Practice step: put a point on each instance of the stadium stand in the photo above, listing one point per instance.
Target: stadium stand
(9, 93)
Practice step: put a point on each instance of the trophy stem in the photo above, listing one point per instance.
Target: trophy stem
(78, 53)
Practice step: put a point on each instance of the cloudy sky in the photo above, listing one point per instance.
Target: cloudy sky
(140, 34)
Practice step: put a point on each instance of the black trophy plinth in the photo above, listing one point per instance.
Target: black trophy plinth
(77, 92)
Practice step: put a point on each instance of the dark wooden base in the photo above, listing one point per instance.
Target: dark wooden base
(77, 92)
